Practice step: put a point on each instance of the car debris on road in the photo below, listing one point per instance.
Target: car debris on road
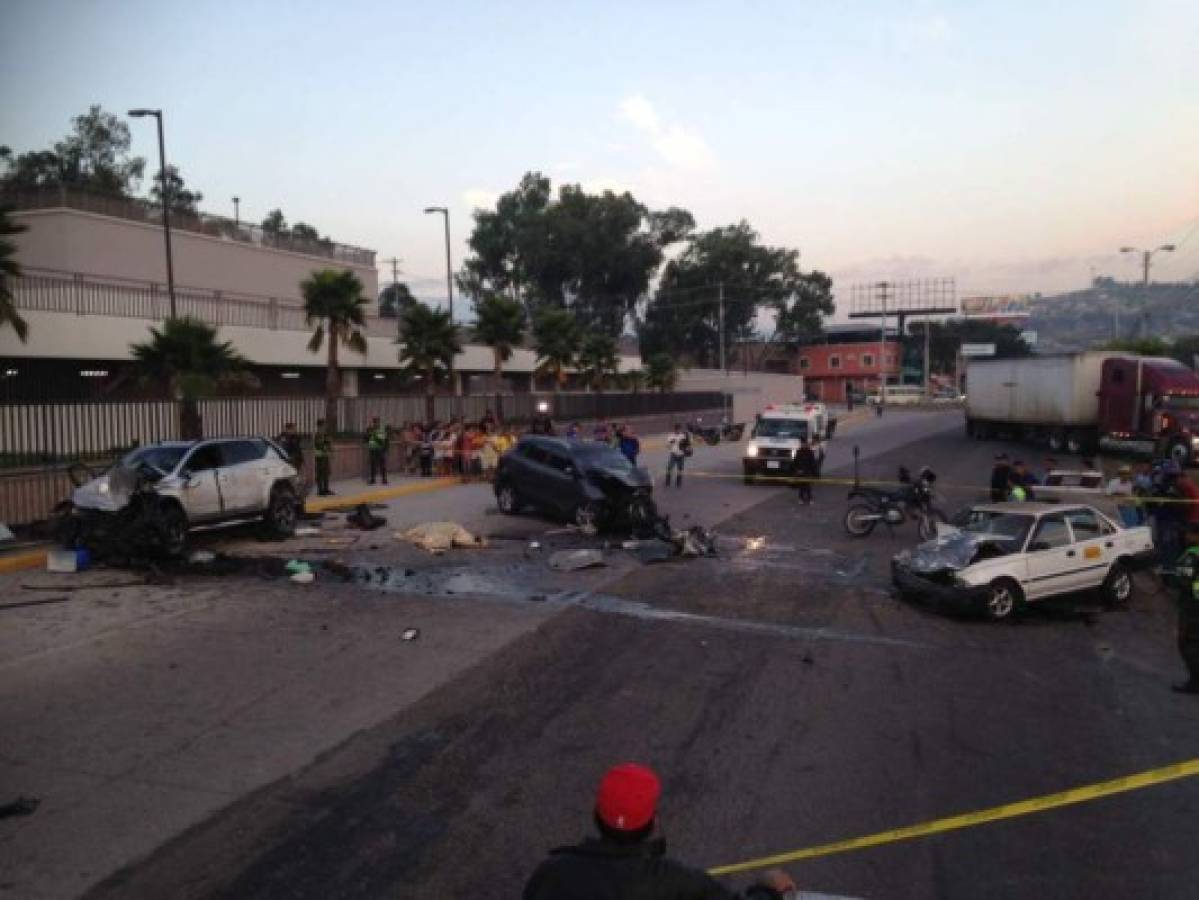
(573, 560)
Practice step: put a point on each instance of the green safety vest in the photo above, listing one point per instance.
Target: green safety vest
(376, 438)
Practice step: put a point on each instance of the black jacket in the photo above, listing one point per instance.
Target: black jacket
(805, 462)
(600, 869)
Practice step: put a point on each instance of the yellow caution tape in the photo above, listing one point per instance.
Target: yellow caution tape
(1186, 769)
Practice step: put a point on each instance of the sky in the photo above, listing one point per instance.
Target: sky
(1014, 146)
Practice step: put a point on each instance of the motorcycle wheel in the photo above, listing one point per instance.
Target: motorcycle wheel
(860, 520)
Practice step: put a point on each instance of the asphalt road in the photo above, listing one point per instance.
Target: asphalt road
(786, 699)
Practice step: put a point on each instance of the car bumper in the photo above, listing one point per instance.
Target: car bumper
(760, 468)
(909, 583)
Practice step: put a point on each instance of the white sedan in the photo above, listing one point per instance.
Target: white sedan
(1004, 555)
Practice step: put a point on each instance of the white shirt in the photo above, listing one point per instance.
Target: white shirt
(674, 443)
(1119, 487)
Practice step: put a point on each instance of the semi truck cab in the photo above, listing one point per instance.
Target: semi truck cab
(1150, 405)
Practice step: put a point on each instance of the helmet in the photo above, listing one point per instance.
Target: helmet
(1019, 495)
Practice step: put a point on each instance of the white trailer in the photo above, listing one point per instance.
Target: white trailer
(1052, 396)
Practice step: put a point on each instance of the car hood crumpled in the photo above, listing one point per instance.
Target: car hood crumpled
(636, 478)
(952, 551)
(109, 492)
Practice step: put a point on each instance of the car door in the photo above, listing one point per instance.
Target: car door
(1052, 558)
(241, 476)
(201, 493)
(561, 488)
(1095, 545)
(529, 473)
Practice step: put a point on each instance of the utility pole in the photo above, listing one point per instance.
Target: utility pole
(882, 346)
(395, 282)
(720, 296)
(928, 365)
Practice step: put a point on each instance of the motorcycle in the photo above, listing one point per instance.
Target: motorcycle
(697, 429)
(912, 500)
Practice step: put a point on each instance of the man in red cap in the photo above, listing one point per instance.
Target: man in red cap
(625, 861)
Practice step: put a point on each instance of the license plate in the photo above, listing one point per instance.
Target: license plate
(772, 465)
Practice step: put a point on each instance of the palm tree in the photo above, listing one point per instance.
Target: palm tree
(597, 359)
(333, 299)
(10, 269)
(661, 372)
(557, 336)
(186, 356)
(429, 342)
(500, 324)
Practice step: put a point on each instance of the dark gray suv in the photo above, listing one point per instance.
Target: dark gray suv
(585, 482)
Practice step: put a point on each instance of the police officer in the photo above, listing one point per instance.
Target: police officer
(1188, 618)
(377, 439)
(322, 449)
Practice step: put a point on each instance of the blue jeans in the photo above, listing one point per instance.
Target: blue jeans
(675, 462)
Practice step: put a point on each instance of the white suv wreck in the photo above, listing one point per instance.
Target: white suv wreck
(1004, 555)
(152, 497)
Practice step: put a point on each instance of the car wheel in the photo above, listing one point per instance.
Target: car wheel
(1118, 586)
(1180, 453)
(508, 500)
(860, 519)
(586, 515)
(173, 531)
(281, 513)
(1004, 599)
(1057, 440)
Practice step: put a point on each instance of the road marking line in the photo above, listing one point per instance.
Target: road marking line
(1186, 769)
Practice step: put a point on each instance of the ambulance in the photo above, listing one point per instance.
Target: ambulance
(775, 440)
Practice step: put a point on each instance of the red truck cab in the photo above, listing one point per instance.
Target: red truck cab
(1152, 403)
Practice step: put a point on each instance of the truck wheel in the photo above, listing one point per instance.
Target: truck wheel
(1117, 588)
(1004, 599)
(1075, 444)
(1057, 440)
(1180, 453)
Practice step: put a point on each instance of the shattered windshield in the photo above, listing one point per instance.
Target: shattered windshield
(1007, 531)
(782, 428)
(165, 459)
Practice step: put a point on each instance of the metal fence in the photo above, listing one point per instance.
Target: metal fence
(39, 441)
(136, 210)
(32, 433)
(49, 290)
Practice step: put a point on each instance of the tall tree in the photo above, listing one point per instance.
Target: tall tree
(661, 372)
(183, 199)
(685, 314)
(500, 324)
(334, 302)
(394, 299)
(594, 254)
(275, 223)
(429, 342)
(598, 359)
(305, 232)
(9, 270)
(94, 156)
(186, 356)
(556, 337)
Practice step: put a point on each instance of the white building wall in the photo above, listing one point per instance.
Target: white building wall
(70, 240)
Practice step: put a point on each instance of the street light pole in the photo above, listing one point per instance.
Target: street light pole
(1146, 260)
(449, 272)
(166, 198)
(882, 347)
(236, 212)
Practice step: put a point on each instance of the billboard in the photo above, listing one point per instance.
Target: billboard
(997, 306)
